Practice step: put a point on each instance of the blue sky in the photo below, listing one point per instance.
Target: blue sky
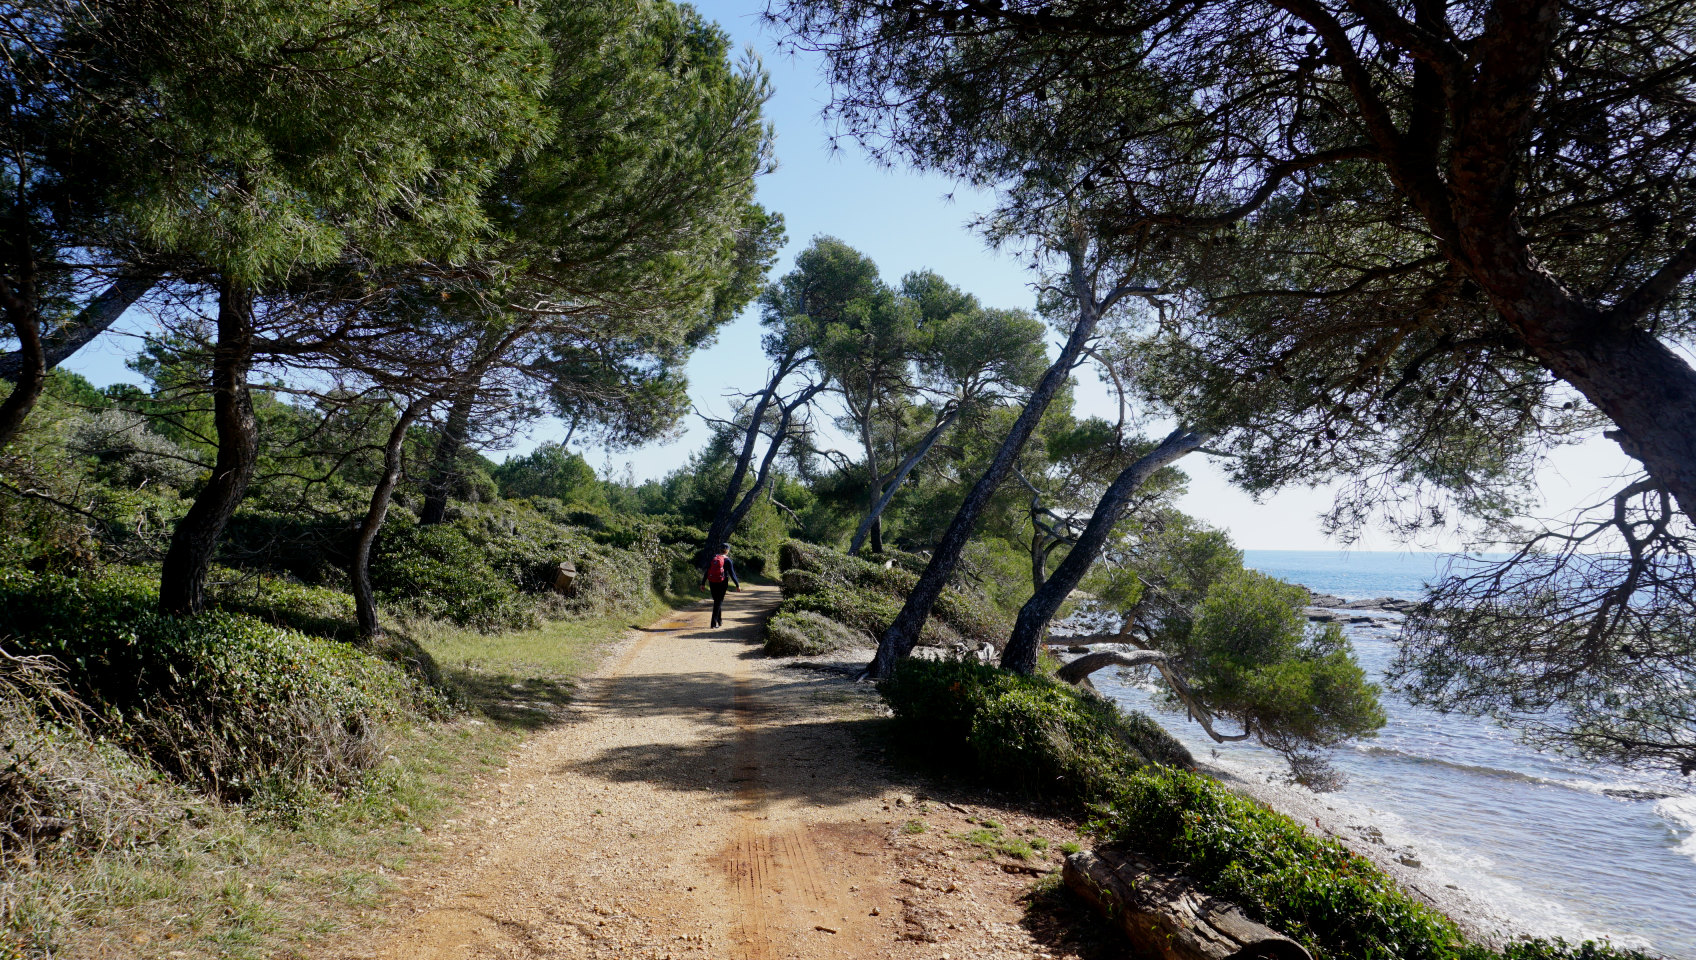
(905, 221)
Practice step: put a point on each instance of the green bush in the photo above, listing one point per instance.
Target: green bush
(1033, 734)
(796, 582)
(311, 548)
(315, 611)
(1049, 740)
(620, 566)
(805, 634)
(438, 572)
(224, 702)
(867, 596)
(1337, 904)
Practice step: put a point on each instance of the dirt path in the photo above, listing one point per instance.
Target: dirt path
(703, 801)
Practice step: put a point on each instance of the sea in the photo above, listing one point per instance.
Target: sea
(1568, 848)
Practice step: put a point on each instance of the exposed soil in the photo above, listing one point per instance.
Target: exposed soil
(700, 800)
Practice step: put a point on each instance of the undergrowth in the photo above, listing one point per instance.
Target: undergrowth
(1031, 734)
(226, 703)
(1052, 742)
(829, 597)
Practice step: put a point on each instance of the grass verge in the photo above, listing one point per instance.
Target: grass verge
(279, 876)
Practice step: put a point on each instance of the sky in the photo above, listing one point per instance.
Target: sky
(907, 221)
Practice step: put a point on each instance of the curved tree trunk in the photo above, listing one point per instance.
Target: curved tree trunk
(23, 312)
(364, 598)
(872, 520)
(444, 463)
(1039, 557)
(898, 641)
(131, 285)
(1641, 384)
(1022, 648)
(725, 518)
(182, 580)
(786, 415)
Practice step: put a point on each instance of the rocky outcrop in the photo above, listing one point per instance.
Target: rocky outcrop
(1166, 916)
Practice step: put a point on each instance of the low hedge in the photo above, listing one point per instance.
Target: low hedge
(806, 634)
(1049, 740)
(1339, 905)
(224, 702)
(867, 596)
(493, 564)
(1034, 734)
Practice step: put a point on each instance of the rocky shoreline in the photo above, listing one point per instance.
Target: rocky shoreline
(1403, 863)
(1325, 608)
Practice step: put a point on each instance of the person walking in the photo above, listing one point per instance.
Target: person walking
(721, 573)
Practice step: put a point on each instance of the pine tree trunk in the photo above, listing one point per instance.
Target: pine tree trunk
(182, 580)
(1645, 388)
(898, 641)
(725, 518)
(871, 484)
(23, 312)
(785, 417)
(1039, 557)
(872, 524)
(364, 597)
(100, 313)
(1023, 647)
(444, 462)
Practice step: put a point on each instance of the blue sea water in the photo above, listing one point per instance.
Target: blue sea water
(1534, 834)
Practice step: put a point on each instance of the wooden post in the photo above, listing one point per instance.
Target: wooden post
(565, 577)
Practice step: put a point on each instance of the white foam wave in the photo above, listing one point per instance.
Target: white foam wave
(1681, 812)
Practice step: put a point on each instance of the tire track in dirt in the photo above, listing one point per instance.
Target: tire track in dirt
(774, 875)
(699, 803)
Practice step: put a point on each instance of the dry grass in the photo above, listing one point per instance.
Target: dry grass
(163, 874)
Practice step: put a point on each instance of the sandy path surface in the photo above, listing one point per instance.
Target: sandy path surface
(703, 801)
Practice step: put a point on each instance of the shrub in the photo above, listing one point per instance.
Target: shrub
(58, 784)
(128, 454)
(868, 612)
(796, 582)
(229, 704)
(805, 634)
(867, 596)
(619, 566)
(438, 572)
(1337, 904)
(316, 611)
(306, 546)
(799, 555)
(1033, 734)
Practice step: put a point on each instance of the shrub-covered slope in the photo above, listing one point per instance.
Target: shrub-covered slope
(831, 600)
(1050, 741)
(225, 703)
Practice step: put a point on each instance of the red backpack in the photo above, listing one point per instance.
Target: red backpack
(716, 567)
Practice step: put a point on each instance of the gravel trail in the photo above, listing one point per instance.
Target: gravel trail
(703, 801)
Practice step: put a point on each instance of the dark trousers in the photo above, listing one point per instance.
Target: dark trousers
(718, 599)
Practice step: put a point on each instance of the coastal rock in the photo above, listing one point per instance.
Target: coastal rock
(1166, 916)
(1383, 604)
(1623, 793)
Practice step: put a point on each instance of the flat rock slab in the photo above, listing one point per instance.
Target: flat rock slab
(1165, 915)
